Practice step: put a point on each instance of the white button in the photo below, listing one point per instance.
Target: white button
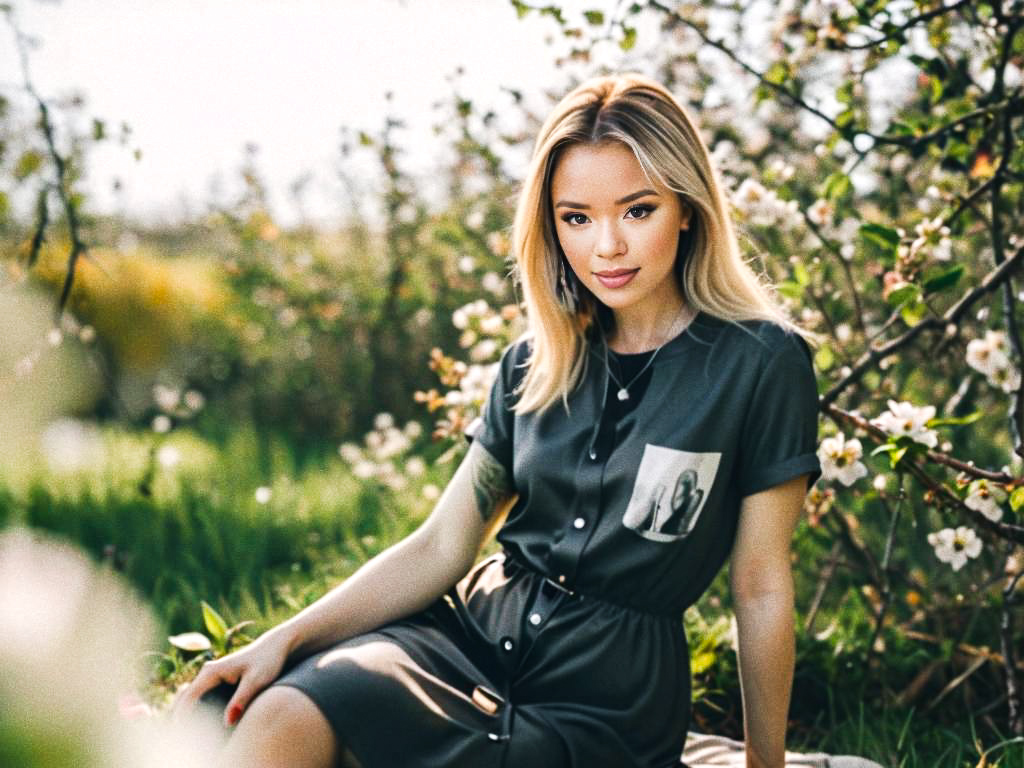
(593, 455)
(507, 645)
(579, 522)
(535, 619)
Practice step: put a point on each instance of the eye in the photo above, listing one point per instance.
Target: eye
(646, 209)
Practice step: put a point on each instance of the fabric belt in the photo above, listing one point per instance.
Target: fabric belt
(551, 586)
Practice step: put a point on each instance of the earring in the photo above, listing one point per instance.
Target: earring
(565, 288)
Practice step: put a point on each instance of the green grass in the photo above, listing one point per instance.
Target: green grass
(196, 532)
(200, 533)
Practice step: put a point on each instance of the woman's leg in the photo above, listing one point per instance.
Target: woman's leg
(283, 728)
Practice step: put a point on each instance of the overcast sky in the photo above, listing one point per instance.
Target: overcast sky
(198, 79)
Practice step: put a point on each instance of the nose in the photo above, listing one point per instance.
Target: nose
(609, 240)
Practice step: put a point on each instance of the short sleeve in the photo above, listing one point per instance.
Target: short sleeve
(493, 429)
(780, 434)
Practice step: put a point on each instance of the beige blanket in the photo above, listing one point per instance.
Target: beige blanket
(704, 751)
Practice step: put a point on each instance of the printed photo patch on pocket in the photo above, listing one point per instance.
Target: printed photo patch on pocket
(669, 492)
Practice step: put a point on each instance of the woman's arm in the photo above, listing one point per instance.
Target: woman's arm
(413, 573)
(761, 580)
(401, 580)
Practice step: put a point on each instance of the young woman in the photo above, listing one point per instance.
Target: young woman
(660, 414)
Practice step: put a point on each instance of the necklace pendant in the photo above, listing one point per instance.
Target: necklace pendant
(623, 394)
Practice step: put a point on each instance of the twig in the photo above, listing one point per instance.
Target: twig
(1014, 695)
(823, 581)
(1009, 531)
(868, 360)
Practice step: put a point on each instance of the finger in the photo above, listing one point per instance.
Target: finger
(209, 676)
(247, 689)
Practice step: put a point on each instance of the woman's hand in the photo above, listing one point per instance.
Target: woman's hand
(252, 668)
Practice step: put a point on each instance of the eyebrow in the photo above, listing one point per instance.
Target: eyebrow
(626, 199)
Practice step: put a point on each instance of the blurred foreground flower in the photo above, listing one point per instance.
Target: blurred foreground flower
(72, 637)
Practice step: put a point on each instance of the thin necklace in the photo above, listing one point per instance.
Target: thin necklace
(623, 393)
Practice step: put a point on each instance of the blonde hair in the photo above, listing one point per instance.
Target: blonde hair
(640, 113)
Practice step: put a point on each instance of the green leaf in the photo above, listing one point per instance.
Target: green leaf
(836, 185)
(936, 89)
(824, 357)
(879, 235)
(1017, 498)
(521, 8)
(790, 290)
(944, 280)
(594, 17)
(895, 456)
(803, 277)
(27, 164)
(99, 130)
(900, 128)
(215, 623)
(628, 38)
(902, 295)
(777, 73)
(913, 312)
(884, 448)
(954, 420)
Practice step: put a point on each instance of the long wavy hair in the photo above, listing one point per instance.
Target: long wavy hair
(642, 114)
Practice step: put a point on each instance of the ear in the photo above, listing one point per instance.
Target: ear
(686, 215)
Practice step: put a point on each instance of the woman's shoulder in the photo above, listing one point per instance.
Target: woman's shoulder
(765, 338)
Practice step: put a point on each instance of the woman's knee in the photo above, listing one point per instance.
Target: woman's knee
(282, 726)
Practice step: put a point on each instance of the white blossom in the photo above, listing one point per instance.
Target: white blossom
(194, 400)
(483, 351)
(383, 421)
(840, 459)
(820, 212)
(262, 494)
(350, 453)
(431, 492)
(492, 325)
(905, 419)
(986, 499)
(991, 356)
(161, 424)
(70, 445)
(415, 466)
(364, 469)
(460, 319)
(955, 546)
(493, 283)
(166, 398)
(168, 456)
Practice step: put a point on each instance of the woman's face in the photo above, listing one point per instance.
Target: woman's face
(618, 230)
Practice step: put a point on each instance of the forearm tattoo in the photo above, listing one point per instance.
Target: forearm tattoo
(491, 483)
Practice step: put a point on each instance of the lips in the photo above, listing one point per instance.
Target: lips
(616, 278)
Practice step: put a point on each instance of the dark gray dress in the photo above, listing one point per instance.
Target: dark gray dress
(567, 647)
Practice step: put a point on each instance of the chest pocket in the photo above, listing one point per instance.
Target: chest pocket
(670, 490)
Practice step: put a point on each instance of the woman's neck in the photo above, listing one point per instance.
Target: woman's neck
(636, 336)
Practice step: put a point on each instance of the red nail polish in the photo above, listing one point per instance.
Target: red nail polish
(234, 714)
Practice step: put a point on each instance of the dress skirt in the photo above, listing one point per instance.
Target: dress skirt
(508, 669)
